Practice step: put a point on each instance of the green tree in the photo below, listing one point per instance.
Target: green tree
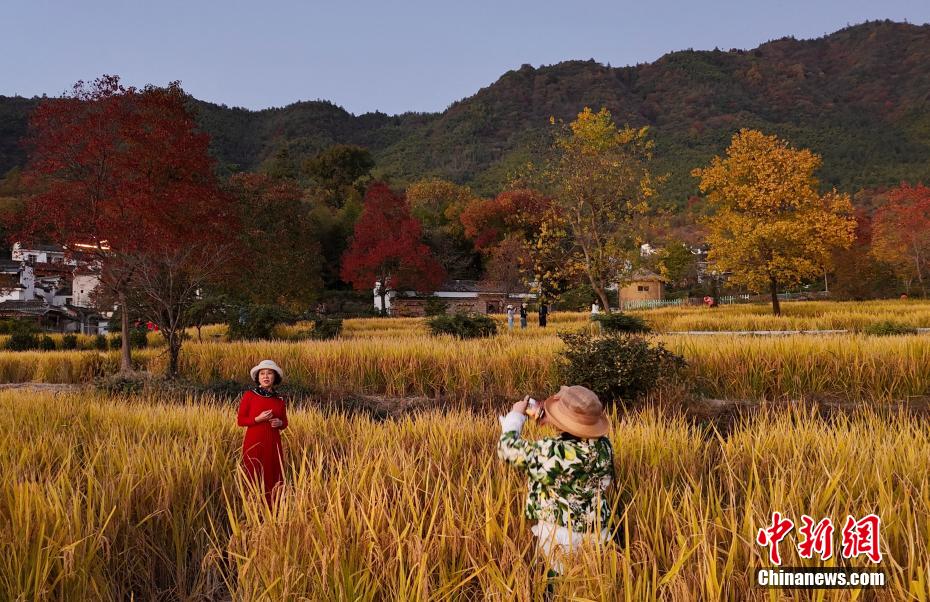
(337, 169)
(770, 226)
(677, 264)
(438, 204)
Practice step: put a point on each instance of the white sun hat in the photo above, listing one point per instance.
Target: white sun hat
(266, 364)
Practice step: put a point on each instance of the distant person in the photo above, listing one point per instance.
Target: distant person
(263, 414)
(568, 474)
(595, 312)
(523, 316)
(510, 315)
(543, 315)
(904, 296)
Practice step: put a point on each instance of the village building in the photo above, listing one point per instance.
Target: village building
(471, 296)
(42, 254)
(644, 285)
(38, 285)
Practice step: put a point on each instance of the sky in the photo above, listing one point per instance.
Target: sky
(389, 56)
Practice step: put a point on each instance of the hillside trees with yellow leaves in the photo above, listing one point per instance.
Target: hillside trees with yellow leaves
(770, 226)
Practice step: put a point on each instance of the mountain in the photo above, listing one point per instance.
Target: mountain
(860, 97)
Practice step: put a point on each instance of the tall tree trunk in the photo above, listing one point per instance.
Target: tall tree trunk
(125, 363)
(174, 353)
(776, 306)
(602, 295)
(383, 294)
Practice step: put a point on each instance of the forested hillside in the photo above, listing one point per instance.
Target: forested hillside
(860, 97)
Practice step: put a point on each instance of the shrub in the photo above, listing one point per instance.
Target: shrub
(463, 326)
(100, 343)
(116, 341)
(888, 328)
(435, 307)
(138, 338)
(618, 367)
(22, 341)
(69, 341)
(325, 329)
(22, 336)
(621, 322)
(258, 322)
(47, 343)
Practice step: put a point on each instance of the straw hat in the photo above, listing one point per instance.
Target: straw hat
(578, 411)
(266, 364)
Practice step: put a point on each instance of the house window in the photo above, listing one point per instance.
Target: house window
(643, 288)
(33, 258)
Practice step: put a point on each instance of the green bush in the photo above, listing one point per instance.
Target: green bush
(435, 306)
(616, 366)
(22, 341)
(325, 329)
(138, 338)
(256, 322)
(463, 326)
(23, 336)
(888, 328)
(69, 342)
(46, 343)
(620, 322)
(116, 341)
(100, 343)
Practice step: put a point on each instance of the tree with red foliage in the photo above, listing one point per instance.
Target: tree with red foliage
(857, 273)
(386, 250)
(487, 222)
(901, 233)
(122, 175)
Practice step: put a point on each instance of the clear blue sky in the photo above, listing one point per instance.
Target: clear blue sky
(370, 55)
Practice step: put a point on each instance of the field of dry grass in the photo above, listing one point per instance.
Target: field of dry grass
(107, 499)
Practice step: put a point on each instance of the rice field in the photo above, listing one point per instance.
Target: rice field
(131, 498)
(844, 367)
(139, 496)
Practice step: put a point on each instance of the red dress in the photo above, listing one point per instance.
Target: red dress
(261, 449)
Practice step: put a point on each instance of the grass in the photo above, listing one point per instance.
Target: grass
(113, 499)
(843, 367)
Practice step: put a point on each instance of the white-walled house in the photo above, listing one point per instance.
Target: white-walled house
(82, 288)
(17, 281)
(52, 254)
(458, 295)
(40, 284)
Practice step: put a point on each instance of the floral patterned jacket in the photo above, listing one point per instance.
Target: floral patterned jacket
(568, 476)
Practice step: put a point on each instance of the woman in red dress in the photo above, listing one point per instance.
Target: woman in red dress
(262, 411)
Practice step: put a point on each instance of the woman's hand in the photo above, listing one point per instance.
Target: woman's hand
(276, 423)
(520, 406)
(264, 416)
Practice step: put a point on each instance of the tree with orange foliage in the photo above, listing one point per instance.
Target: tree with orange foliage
(771, 227)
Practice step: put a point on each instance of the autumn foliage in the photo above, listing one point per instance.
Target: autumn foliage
(487, 222)
(387, 249)
(901, 234)
(771, 227)
(124, 175)
(120, 166)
